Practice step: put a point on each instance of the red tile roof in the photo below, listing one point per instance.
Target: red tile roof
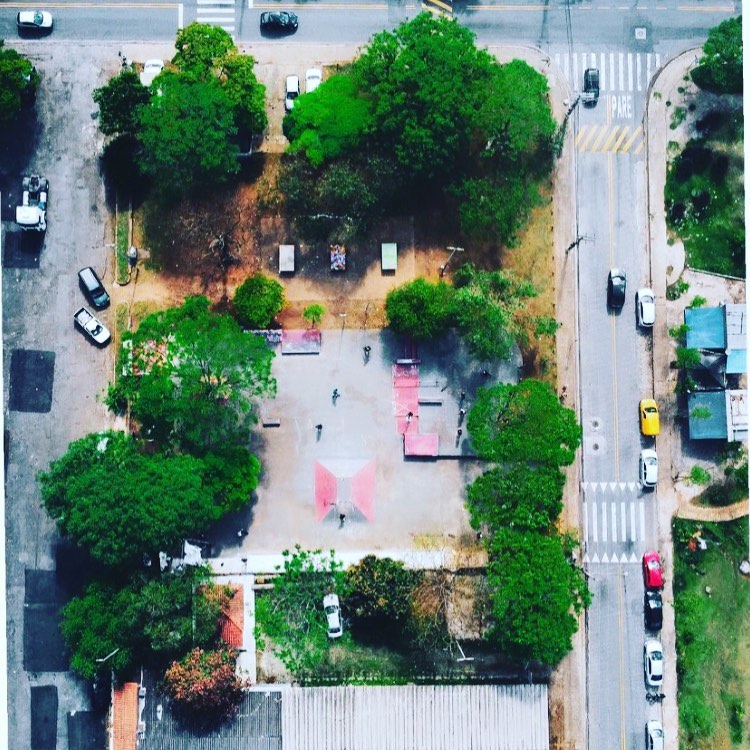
(125, 717)
(233, 619)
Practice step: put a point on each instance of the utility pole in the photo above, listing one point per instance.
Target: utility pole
(453, 250)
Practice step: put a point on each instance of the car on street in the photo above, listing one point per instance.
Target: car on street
(92, 326)
(280, 22)
(313, 77)
(590, 94)
(652, 611)
(151, 69)
(648, 467)
(34, 20)
(653, 576)
(645, 307)
(653, 662)
(616, 283)
(649, 411)
(333, 615)
(92, 288)
(654, 735)
(291, 92)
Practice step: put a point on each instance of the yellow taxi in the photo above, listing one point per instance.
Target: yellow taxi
(649, 417)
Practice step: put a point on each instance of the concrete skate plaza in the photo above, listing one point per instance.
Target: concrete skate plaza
(416, 503)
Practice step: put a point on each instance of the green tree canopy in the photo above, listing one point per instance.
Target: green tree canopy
(536, 595)
(121, 102)
(292, 615)
(18, 82)
(186, 133)
(420, 309)
(330, 123)
(520, 496)
(258, 300)
(523, 423)
(201, 49)
(190, 377)
(489, 308)
(720, 68)
(146, 622)
(245, 93)
(121, 504)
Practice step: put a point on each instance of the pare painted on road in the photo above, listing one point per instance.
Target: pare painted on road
(622, 105)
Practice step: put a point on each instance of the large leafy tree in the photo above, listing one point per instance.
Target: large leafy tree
(292, 616)
(191, 376)
(121, 504)
(516, 496)
(201, 49)
(18, 82)
(186, 133)
(720, 68)
(245, 93)
(523, 422)
(537, 594)
(146, 622)
(420, 309)
(331, 123)
(121, 102)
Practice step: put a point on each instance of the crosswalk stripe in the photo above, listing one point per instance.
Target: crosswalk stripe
(222, 13)
(638, 71)
(636, 133)
(612, 70)
(604, 522)
(623, 525)
(632, 522)
(642, 512)
(594, 522)
(613, 519)
(621, 59)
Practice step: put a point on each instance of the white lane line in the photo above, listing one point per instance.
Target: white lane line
(630, 71)
(648, 69)
(223, 13)
(603, 68)
(585, 520)
(643, 519)
(612, 71)
(623, 524)
(604, 521)
(658, 60)
(594, 522)
(614, 522)
(632, 522)
(638, 70)
(621, 60)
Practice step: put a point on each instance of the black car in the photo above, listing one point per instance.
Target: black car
(616, 288)
(278, 21)
(590, 87)
(652, 610)
(92, 287)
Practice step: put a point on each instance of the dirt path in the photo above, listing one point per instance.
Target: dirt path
(706, 513)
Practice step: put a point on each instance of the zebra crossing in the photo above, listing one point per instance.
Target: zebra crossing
(619, 72)
(616, 139)
(217, 13)
(614, 520)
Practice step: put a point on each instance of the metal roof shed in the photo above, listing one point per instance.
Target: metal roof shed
(707, 412)
(706, 328)
(286, 258)
(388, 256)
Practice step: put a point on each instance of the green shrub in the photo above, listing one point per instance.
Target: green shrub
(257, 301)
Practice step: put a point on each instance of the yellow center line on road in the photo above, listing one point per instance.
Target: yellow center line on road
(613, 318)
(621, 630)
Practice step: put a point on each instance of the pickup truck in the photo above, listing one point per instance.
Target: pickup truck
(31, 215)
(92, 327)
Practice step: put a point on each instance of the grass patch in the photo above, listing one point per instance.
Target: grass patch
(713, 641)
(678, 116)
(121, 245)
(704, 195)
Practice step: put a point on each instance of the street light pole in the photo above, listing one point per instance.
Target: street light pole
(453, 250)
(108, 656)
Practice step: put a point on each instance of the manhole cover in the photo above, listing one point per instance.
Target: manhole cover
(640, 33)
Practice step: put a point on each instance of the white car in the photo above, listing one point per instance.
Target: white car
(313, 77)
(333, 615)
(34, 20)
(654, 735)
(648, 467)
(151, 69)
(653, 662)
(645, 307)
(291, 92)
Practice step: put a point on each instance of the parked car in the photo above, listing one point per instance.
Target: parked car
(590, 94)
(92, 288)
(151, 69)
(648, 467)
(652, 611)
(653, 576)
(279, 21)
(645, 307)
(291, 92)
(616, 283)
(654, 735)
(92, 326)
(653, 662)
(313, 77)
(34, 20)
(650, 425)
(333, 615)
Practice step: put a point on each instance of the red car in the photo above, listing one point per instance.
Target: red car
(653, 576)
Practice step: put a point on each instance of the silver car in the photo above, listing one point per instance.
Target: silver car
(654, 735)
(333, 615)
(648, 467)
(653, 662)
(645, 307)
